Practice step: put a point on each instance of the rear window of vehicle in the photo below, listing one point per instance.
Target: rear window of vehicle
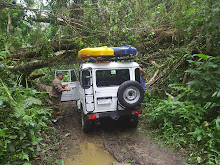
(137, 75)
(111, 77)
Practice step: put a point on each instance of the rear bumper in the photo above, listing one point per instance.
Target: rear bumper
(115, 115)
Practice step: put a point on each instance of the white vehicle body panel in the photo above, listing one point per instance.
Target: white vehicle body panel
(89, 97)
(104, 93)
(73, 94)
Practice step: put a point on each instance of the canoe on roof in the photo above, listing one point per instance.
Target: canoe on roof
(95, 52)
(106, 51)
(123, 50)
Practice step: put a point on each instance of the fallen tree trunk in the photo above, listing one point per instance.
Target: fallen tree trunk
(158, 80)
(163, 38)
(35, 76)
(153, 78)
(26, 54)
(27, 68)
(37, 51)
(36, 64)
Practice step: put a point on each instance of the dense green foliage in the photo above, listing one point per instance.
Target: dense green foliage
(194, 21)
(24, 122)
(189, 119)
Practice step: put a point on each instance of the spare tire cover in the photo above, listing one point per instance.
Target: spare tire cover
(130, 94)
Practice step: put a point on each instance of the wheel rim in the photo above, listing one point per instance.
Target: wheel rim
(131, 94)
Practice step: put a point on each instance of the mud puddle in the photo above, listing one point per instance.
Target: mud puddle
(88, 154)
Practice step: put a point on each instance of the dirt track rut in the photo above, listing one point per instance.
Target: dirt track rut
(121, 144)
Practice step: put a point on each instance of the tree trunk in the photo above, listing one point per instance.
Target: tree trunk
(27, 53)
(35, 76)
(36, 64)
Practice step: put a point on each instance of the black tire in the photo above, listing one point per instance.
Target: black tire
(85, 122)
(130, 94)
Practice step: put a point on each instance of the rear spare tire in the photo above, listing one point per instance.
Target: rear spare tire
(130, 94)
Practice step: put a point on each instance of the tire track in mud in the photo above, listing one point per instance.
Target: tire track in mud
(124, 144)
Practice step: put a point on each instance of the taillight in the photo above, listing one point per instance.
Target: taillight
(93, 116)
(138, 111)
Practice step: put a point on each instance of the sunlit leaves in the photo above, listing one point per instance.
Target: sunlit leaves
(205, 57)
(31, 101)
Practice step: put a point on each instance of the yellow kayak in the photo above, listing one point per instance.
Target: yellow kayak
(95, 52)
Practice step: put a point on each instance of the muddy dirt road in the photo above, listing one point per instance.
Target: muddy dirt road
(110, 143)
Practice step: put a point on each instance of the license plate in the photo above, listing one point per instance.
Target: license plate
(105, 101)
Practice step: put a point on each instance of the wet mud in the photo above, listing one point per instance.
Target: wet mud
(112, 142)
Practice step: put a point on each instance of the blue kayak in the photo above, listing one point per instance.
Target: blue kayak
(123, 50)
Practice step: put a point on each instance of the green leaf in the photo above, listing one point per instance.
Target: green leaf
(193, 82)
(2, 133)
(199, 138)
(61, 162)
(208, 105)
(17, 115)
(6, 143)
(211, 65)
(199, 159)
(216, 94)
(25, 156)
(31, 148)
(7, 91)
(203, 56)
(16, 128)
(192, 71)
(169, 100)
(31, 101)
(13, 137)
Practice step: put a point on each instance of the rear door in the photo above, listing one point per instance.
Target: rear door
(71, 79)
(106, 86)
(86, 90)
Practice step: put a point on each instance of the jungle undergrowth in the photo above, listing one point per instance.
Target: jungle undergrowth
(189, 119)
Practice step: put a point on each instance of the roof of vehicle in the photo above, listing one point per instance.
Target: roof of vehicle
(109, 65)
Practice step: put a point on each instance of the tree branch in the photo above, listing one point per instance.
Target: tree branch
(26, 53)
(35, 76)
(36, 64)
(59, 20)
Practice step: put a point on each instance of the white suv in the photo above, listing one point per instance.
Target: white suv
(106, 90)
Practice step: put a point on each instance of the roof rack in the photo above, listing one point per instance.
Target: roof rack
(115, 58)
